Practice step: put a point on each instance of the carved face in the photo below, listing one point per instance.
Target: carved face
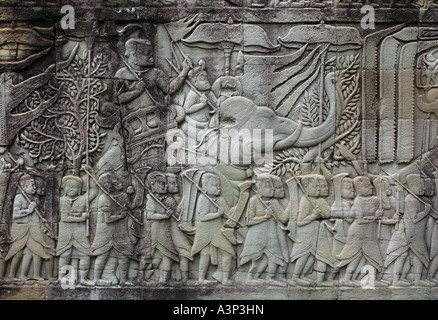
(159, 185)
(278, 188)
(29, 186)
(386, 187)
(113, 184)
(201, 81)
(323, 187)
(363, 186)
(347, 189)
(312, 187)
(172, 184)
(117, 184)
(140, 55)
(211, 185)
(265, 187)
(72, 188)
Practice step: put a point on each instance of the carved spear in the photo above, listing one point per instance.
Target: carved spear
(321, 97)
(153, 196)
(264, 203)
(137, 77)
(411, 192)
(200, 189)
(191, 85)
(87, 220)
(302, 188)
(48, 228)
(379, 223)
(431, 163)
(111, 197)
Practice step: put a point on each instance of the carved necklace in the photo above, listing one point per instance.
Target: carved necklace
(71, 200)
(140, 72)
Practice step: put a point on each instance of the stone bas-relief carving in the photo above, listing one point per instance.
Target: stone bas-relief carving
(219, 152)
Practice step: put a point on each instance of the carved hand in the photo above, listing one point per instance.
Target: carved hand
(32, 206)
(317, 211)
(141, 85)
(269, 212)
(204, 100)
(187, 65)
(427, 208)
(379, 213)
(169, 213)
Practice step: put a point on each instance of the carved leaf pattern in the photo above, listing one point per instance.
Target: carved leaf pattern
(69, 129)
(348, 96)
(287, 160)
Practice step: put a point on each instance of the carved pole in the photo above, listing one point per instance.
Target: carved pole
(337, 184)
(137, 77)
(292, 208)
(398, 200)
(431, 163)
(87, 221)
(236, 212)
(44, 221)
(302, 189)
(411, 192)
(153, 196)
(111, 197)
(379, 224)
(321, 97)
(264, 203)
(427, 134)
(191, 85)
(200, 189)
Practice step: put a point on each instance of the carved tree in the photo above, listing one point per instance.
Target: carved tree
(310, 114)
(348, 96)
(68, 131)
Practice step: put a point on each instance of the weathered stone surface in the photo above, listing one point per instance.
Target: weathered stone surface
(254, 149)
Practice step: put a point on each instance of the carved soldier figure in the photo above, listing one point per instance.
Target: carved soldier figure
(28, 243)
(49, 238)
(143, 250)
(266, 243)
(311, 208)
(340, 213)
(112, 242)
(154, 84)
(209, 240)
(387, 203)
(163, 252)
(332, 232)
(409, 237)
(362, 235)
(180, 239)
(198, 112)
(73, 241)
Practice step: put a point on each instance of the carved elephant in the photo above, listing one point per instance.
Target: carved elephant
(241, 113)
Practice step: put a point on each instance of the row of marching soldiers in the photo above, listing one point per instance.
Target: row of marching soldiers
(374, 223)
(314, 229)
